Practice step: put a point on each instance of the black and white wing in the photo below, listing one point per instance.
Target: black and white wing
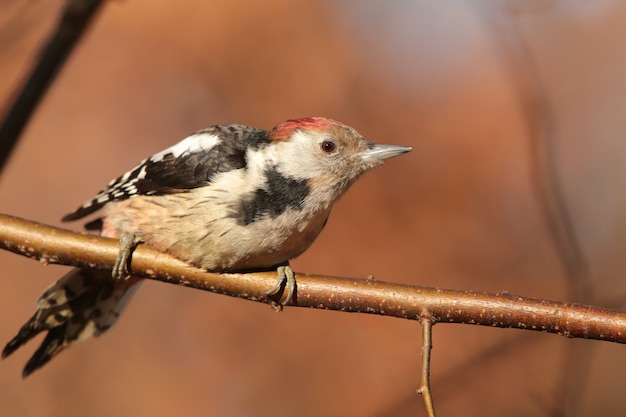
(189, 164)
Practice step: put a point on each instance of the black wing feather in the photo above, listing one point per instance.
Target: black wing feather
(170, 173)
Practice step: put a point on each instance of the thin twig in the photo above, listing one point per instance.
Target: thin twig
(72, 25)
(427, 345)
(542, 133)
(53, 245)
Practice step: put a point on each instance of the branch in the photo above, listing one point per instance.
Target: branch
(542, 132)
(53, 245)
(427, 346)
(71, 26)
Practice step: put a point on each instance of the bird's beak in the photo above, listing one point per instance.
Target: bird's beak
(379, 152)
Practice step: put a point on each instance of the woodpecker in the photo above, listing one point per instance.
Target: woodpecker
(228, 198)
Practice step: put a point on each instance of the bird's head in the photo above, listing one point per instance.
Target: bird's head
(328, 153)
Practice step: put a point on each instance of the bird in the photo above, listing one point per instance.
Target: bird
(228, 198)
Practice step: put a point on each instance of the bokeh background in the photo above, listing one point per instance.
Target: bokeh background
(480, 89)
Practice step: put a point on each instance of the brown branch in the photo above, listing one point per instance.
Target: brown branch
(427, 346)
(52, 245)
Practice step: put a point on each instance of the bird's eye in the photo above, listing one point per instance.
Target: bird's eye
(328, 146)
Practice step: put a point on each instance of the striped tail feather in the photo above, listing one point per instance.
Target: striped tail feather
(82, 304)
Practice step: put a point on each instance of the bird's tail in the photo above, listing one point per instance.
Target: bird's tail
(82, 304)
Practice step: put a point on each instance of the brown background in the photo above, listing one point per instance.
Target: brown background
(460, 211)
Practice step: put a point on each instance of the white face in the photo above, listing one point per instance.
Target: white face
(303, 156)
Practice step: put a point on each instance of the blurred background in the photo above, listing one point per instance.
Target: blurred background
(515, 111)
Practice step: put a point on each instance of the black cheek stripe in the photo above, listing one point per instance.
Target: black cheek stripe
(279, 194)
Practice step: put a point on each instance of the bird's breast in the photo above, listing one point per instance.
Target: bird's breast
(208, 236)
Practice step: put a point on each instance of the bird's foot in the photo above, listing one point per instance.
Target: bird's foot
(121, 269)
(287, 278)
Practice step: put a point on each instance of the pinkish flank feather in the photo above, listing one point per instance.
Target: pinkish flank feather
(283, 131)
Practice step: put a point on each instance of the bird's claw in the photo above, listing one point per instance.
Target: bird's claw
(128, 243)
(288, 278)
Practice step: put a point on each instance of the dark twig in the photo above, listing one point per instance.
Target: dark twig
(52, 245)
(542, 132)
(72, 24)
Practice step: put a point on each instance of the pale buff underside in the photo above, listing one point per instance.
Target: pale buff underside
(199, 227)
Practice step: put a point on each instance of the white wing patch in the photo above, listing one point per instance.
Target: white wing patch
(193, 143)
